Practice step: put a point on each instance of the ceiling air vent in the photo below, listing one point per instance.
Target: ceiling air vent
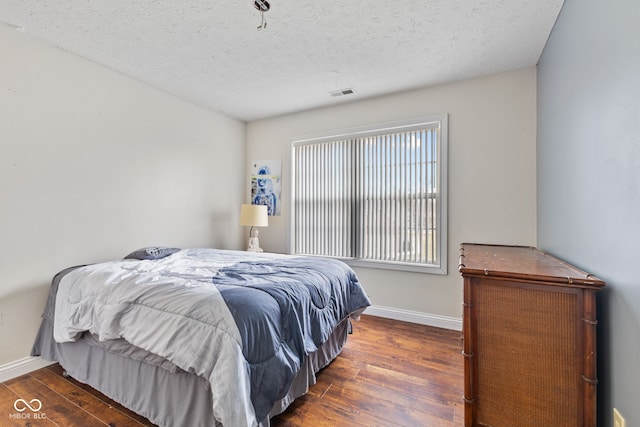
(341, 92)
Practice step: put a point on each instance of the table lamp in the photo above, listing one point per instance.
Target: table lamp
(254, 216)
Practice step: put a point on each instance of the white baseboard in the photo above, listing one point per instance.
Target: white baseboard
(435, 320)
(22, 366)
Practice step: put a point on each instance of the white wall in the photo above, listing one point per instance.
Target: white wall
(589, 176)
(492, 174)
(93, 165)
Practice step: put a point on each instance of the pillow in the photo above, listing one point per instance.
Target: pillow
(152, 252)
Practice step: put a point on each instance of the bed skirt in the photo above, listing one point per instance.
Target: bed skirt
(167, 397)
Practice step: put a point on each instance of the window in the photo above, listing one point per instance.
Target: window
(374, 196)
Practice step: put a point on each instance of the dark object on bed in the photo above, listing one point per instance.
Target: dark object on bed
(152, 252)
(201, 337)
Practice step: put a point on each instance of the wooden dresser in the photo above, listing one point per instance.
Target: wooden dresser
(529, 323)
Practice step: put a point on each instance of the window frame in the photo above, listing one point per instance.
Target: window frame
(439, 121)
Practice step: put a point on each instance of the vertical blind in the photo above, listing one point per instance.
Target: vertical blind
(370, 197)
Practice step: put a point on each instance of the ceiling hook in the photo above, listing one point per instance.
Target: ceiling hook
(264, 23)
(262, 6)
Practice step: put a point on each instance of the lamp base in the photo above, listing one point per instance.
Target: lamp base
(254, 242)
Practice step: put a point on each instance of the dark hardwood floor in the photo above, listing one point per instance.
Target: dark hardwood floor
(391, 373)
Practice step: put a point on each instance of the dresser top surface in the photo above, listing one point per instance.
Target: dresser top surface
(520, 262)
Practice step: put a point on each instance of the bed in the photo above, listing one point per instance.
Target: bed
(200, 337)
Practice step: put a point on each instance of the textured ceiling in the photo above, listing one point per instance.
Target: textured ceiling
(212, 53)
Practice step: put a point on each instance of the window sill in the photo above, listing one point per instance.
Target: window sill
(398, 266)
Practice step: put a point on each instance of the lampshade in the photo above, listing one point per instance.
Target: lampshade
(254, 215)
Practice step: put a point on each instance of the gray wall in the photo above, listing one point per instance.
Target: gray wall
(588, 174)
